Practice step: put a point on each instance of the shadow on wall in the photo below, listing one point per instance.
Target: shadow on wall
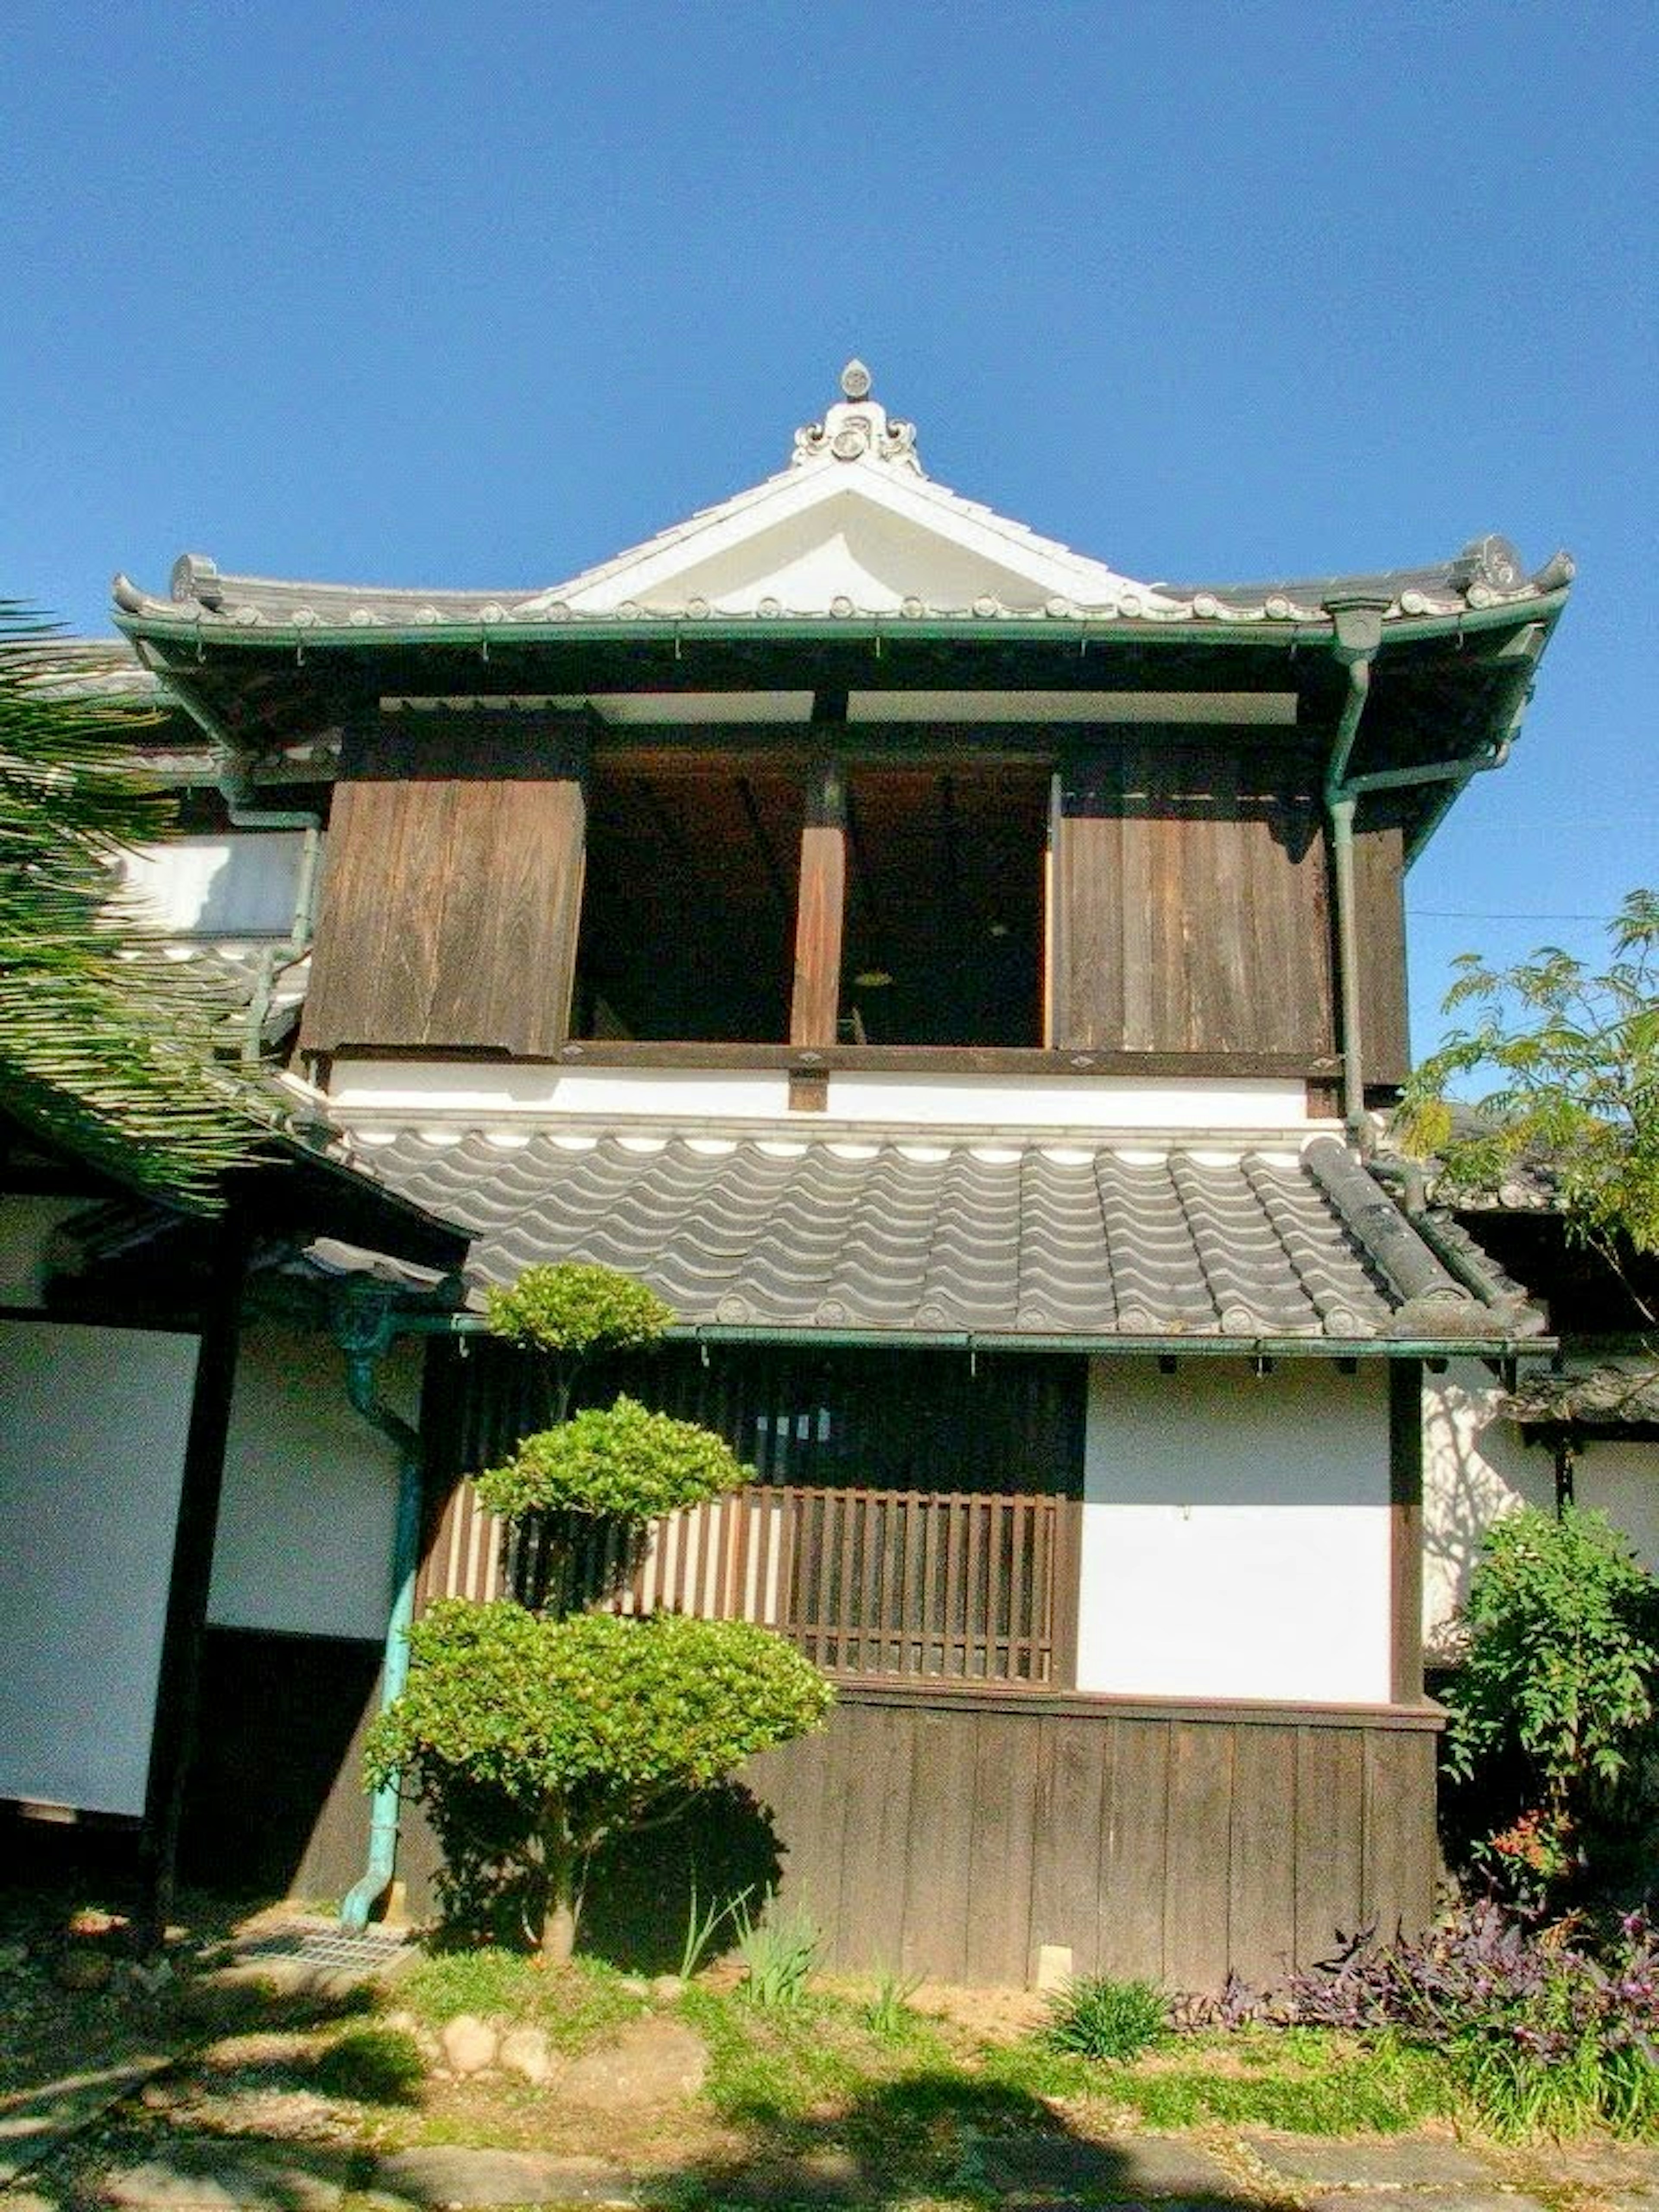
(1475, 1468)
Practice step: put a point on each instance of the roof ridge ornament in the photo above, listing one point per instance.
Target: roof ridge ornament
(857, 428)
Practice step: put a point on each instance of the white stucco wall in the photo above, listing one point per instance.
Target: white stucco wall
(243, 885)
(1236, 1532)
(93, 1424)
(1475, 1468)
(1622, 1481)
(399, 1089)
(310, 1495)
(26, 1226)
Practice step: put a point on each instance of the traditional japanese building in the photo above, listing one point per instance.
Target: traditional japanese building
(959, 977)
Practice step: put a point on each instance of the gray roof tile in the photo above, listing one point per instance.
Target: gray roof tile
(888, 1234)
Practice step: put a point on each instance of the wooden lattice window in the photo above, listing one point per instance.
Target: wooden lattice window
(913, 1513)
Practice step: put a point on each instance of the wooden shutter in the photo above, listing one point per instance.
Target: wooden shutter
(1191, 907)
(452, 889)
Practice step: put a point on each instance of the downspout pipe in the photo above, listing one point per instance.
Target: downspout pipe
(1359, 634)
(364, 1325)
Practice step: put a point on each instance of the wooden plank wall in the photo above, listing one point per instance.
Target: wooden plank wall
(1192, 904)
(947, 1835)
(452, 893)
(1379, 875)
(951, 1838)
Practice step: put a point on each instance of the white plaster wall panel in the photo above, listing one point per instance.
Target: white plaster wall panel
(1071, 1102)
(1236, 1532)
(26, 1226)
(1476, 1467)
(310, 1496)
(1621, 1479)
(242, 885)
(93, 1425)
(409, 1089)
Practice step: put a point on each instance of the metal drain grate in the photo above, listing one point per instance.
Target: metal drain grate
(326, 1946)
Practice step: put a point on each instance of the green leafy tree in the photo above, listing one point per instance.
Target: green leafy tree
(534, 1737)
(103, 1046)
(1562, 1063)
(1557, 1685)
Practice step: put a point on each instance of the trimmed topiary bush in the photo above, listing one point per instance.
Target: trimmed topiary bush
(531, 1740)
(623, 1462)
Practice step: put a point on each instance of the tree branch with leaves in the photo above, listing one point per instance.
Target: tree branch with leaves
(1559, 1064)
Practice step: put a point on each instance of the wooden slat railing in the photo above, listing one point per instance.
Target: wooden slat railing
(961, 1586)
(941, 1583)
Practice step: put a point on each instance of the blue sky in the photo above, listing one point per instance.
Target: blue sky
(1212, 291)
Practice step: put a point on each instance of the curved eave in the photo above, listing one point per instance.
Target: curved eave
(202, 632)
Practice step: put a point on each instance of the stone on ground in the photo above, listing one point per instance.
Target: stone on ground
(1371, 2161)
(652, 2061)
(222, 2178)
(1128, 2166)
(527, 2052)
(469, 2044)
(450, 2173)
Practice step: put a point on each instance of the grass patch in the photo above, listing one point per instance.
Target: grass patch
(1307, 2083)
(372, 2066)
(1099, 2018)
(574, 2004)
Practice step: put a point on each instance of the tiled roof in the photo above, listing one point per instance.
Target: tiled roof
(858, 459)
(888, 1235)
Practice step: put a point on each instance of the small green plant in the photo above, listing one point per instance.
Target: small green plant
(570, 1312)
(888, 2013)
(779, 1958)
(372, 2066)
(702, 1924)
(1100, 2018)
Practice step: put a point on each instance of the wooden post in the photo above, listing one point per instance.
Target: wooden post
(1405, 1531)
(815, 1007)
(173, 1734)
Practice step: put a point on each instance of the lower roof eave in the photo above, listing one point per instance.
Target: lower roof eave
(1107, 1344)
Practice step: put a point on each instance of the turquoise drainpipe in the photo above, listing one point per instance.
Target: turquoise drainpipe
(365, 1323)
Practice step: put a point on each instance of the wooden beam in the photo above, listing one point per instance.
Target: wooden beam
(174, 1736)
(1406, 1530)
(815, 1005)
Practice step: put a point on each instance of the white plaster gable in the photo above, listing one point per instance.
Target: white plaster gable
(851, 527)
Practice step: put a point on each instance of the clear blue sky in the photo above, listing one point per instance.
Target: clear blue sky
(1214, 292)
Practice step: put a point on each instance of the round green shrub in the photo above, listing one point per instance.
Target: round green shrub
(622, 1461)
(575, 1307)
(531, 1739)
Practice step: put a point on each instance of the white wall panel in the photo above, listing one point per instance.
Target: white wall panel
(1476, 1467)
(243, 885)
(93, 1427)
(310, 1496)
(1236, 1532)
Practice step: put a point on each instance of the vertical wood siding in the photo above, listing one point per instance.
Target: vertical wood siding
(1177, 1845)
(1193, 907)
(451, 897)
(1379, 897)
(877, 1568)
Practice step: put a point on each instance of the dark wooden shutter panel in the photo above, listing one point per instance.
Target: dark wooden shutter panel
(1191, 906)
(452, 895)
(1379, 877)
